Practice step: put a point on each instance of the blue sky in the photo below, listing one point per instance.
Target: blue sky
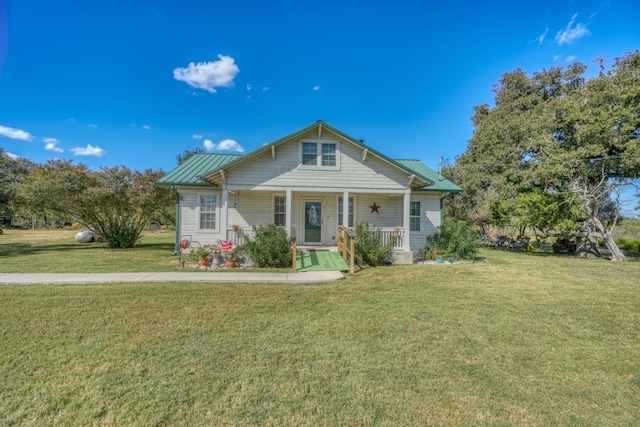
(138, 82)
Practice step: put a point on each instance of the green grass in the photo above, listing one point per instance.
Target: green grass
(521, 339)
(56, 251)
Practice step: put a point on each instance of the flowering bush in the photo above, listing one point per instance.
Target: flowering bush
(115, 202)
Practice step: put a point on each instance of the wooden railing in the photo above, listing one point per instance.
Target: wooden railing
(347, 246)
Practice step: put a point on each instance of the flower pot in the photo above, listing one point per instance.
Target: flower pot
(204, 262)
(231, 263)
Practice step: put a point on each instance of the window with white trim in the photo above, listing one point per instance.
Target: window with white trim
(414, 216)
(309, 153)
(328, 154)
(208, 204)
(280, 210)
(341, 209)
(318, 153)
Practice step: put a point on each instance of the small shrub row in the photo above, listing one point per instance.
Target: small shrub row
(456, 239)
(370, 249)
(269, 248)
(628, 244)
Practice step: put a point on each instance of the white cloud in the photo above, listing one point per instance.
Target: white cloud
(249, 87)
(198, 136)
(570, 58)
(571, 33)
(208, 75)
(146, 127)
(265, 89)
(542, 36)
(316, 88)
(51, 145)
(93, 126)
(89, 150)
(15, 133)
(224, 145)
(11, 155)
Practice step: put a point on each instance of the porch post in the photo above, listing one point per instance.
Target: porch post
(345, 209)
(224, 212)
(288, 210)
(406, 219)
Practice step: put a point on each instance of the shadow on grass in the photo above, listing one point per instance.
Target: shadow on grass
(22, 249)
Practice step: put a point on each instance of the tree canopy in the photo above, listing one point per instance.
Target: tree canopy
(558, 140)
(115, 202)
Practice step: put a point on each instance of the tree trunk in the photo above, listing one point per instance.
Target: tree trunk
(587, 247)
(616, 253)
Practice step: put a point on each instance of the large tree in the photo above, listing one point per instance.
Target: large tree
(13, 172)
(556, 133)
(115, 202)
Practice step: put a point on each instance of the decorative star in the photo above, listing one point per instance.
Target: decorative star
(374, 208)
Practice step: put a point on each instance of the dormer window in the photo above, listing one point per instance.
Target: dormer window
(319, 153)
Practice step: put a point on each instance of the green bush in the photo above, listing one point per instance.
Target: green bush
(269, 248)
(456, 239)
(628, 244)
(369, 247)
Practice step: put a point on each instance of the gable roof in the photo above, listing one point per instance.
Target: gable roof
(440, 183)
(199, 169)
(188, 173)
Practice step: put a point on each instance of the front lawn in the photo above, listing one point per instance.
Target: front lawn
(521, 339)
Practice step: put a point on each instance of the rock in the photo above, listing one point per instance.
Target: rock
(86, 236)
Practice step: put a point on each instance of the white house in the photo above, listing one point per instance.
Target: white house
(301, 182)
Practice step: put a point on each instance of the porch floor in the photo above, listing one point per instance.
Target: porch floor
(320, 260)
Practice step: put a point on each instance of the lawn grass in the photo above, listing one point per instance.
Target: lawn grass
(56, 251)
(521, 339)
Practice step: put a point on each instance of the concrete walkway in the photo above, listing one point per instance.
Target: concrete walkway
(60, 278)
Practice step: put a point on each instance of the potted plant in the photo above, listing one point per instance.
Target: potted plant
(201, 254)
(230, 259)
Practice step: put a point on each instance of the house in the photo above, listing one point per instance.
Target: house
(309, 182)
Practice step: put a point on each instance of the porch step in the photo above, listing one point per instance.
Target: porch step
(320, 260)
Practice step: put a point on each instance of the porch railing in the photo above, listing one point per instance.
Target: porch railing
(398, 232)
(347, 246)
(388, 232)
(237, 235)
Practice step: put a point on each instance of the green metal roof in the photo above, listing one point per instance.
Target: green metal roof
(439, 183)
(188, 173)
(200, 165)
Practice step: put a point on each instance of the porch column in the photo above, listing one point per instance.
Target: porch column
(224, 212)
(288, 210)
(406, 219)
(345, 209)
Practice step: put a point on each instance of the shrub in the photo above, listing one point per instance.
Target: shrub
(456, 238)
(269, 248)
(369, 247)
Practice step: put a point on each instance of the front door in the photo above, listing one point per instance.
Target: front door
(312, 223)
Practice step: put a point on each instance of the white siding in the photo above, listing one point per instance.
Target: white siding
(429, 219)
(285, 171)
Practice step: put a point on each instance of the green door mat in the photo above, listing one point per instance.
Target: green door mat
(320, 260)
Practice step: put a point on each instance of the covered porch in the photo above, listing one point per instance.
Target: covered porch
(313, 217)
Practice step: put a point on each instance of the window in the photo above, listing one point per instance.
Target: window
(280, 210)
(414, 214)
(318, 153)
(208, 205)
(328, 154)
(309, 153)
(341, 209)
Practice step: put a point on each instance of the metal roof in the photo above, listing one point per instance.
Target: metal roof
(188, 173)
(202, 165)
(439, 182)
